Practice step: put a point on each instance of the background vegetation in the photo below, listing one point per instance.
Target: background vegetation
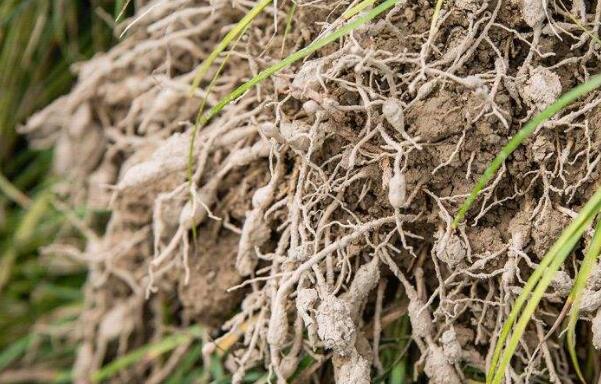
(39, 41)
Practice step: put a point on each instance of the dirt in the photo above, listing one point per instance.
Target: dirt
(206, 298)
(326, 193)
(438, 117)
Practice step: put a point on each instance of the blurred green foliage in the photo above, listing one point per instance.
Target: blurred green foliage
(39, 41)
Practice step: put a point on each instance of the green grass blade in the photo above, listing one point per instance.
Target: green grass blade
(186, 365)
(15, 350)
(435, 17)
(540, 279)
(582, 27)
(63, 377)
(533, 301)
(13, 193)
(202, 106)
(120, 8)
(576, 294)
(39, 40)
(357, 8)
(216, 368)
(23, 235)
(148, 351)
(288, 25)
(229, 37)
(7, 263)
(32, 218)
(565, 100)
(300, 54)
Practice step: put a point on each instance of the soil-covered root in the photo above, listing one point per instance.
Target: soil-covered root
(307, 208)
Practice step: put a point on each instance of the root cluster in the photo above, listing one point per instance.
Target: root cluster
(317, 209)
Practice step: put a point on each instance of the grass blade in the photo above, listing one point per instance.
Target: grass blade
(201, 110)
(357, 8)
(300, 54)
(148, 351)
(229, 37)
(121, 8)
(435, 17)
(576, 294)
(13, 193)
(581, 26)
(288, 26)
(540, 278)
(533, 301)
(186, 365)
(15, 350)
(561, 103)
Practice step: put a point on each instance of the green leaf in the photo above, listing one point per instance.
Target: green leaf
(149, 351)
(435, 17)
(300, 54)
(537, 284)
(558, 106)
(229, 37)
(576, 294)
(15, 350)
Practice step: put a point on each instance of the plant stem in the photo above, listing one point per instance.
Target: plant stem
(558, 106)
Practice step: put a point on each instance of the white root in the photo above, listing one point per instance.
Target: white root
(335, 326)
(255, 230)
(533, 12)
(450, 346)
(591, 300)
(352, 369)
(420, 318)
(307, 77)
(278, 325)
(296, 133)
(542, 88)
(254, 233)
(337, 320)
(366, 279)
(393, 112)
(397, 190)
(438, 368)
(449, 248)
(305, 305)
(596, 328)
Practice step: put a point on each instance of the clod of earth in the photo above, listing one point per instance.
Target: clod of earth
(316, 211)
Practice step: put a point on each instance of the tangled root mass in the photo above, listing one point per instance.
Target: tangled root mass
(319, 206)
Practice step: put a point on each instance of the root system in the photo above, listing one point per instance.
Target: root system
(318, 210)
